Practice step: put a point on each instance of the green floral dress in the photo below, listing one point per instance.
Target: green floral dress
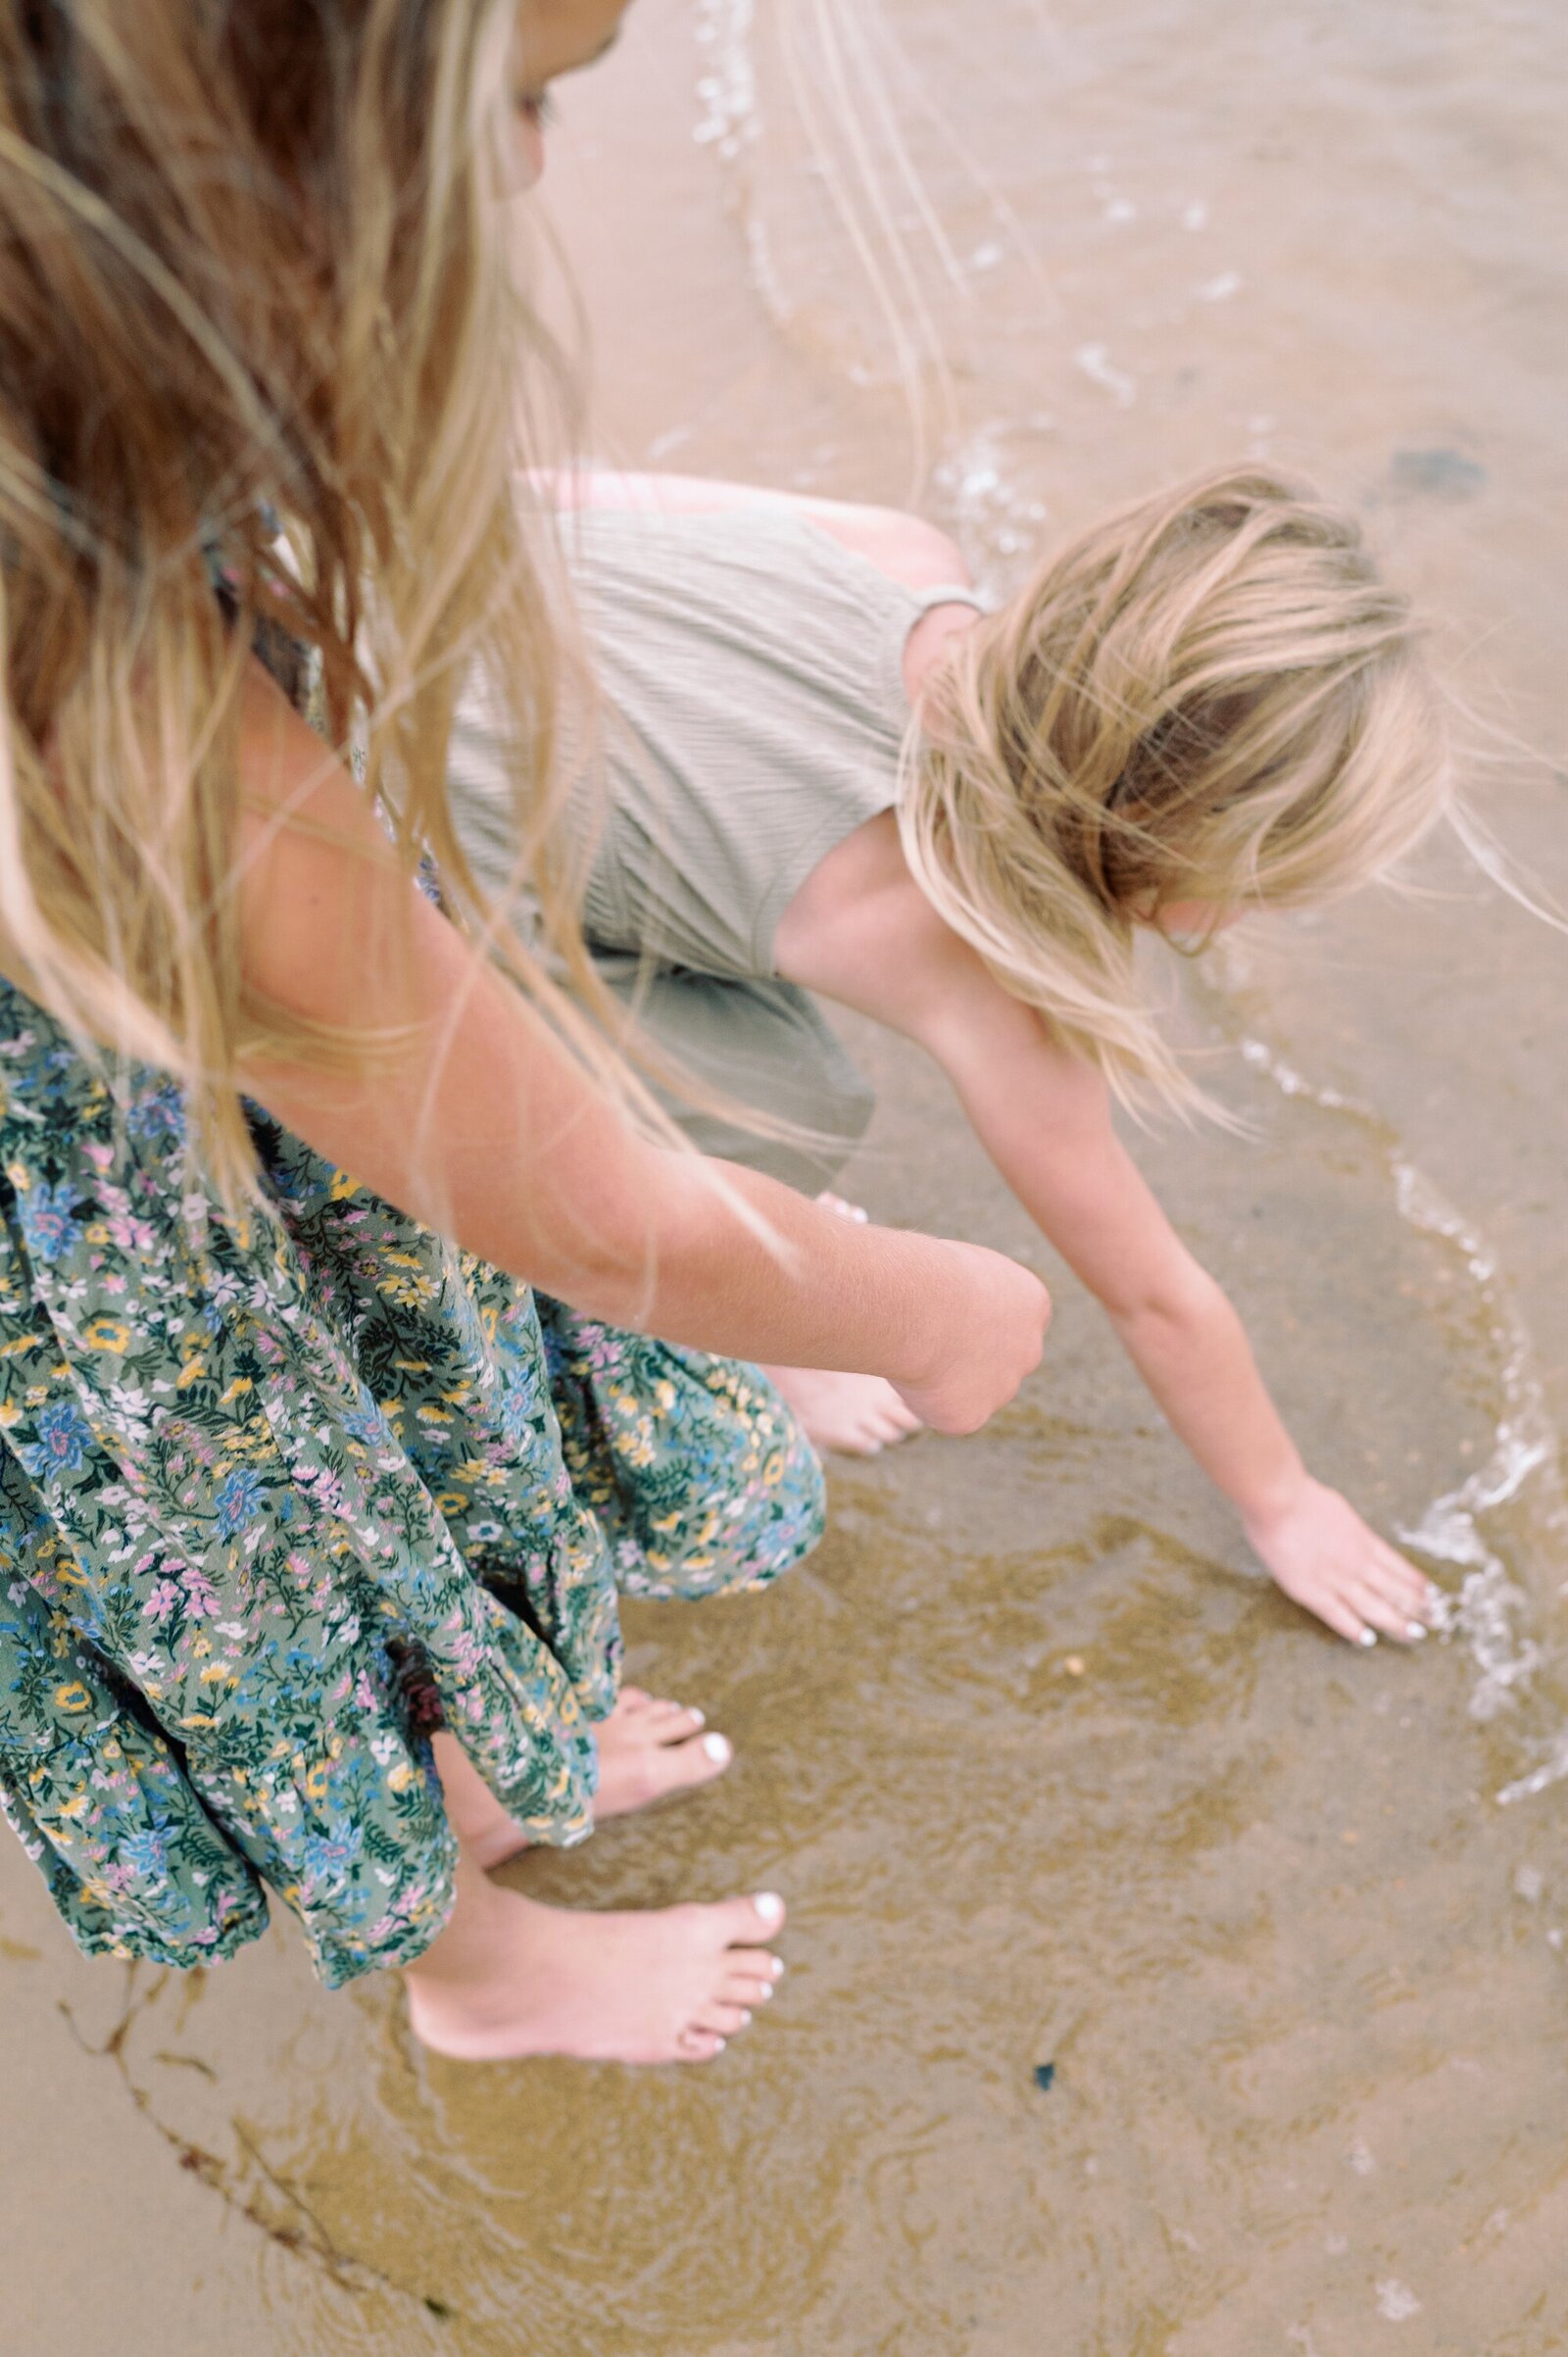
(269, 1496)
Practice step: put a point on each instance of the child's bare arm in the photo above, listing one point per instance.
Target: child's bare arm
(481, 1125)
(1043, 1118)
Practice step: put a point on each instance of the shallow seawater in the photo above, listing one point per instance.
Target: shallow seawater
(1049, 1771)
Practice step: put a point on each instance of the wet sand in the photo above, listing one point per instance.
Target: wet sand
(1049, 1771)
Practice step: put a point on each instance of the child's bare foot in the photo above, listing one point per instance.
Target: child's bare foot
(647, 1750)
(857, 1415)
(509, 1978)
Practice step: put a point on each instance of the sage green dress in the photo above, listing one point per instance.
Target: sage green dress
(753, 715)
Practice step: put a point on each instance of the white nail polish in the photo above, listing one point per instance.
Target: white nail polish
(776, 1963)
(719, 2044)
(700, 1716)
(746, 2020)
(1415, 1632)
(770, 1906)
(1367, 1636)
(716, 1746)
(764, 1994)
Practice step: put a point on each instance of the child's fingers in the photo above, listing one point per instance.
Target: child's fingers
(1400, 1579)
(1399, 1587)
(1389, 1616)
(1345, 1617)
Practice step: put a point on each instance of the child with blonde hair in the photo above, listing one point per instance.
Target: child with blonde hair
(826, 768)
(294, 1466)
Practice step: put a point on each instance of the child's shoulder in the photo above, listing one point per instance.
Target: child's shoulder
(907, 548)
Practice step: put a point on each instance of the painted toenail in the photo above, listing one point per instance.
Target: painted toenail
(717, 1747)
(746, 2020)
(764, 1994)
(1367, 1636)
(1415, 1632)
(699, 1718)
(768, 1906)
(776, 1966)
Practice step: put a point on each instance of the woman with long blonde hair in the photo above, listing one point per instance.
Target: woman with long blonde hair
(294, 1467)
(830, 770)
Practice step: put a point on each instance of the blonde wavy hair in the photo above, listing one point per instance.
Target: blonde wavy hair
(1210, 697)
(257, 274)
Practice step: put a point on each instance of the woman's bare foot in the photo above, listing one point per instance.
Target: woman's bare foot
(647, 1750)
(857, 1414)
(509, 1978)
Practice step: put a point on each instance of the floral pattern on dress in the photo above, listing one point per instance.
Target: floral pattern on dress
(263, 1481)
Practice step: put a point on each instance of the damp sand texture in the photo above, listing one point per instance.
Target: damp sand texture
(1050, 1775)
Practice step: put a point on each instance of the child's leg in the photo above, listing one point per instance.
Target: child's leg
(509, 1978)
(647, 1750)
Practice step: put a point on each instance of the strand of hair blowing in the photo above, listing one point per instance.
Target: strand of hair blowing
(253, 269)
(1210, 697)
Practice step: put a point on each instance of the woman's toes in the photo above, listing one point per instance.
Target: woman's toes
(746, 1921)
(722, 2021)
(743, 1988)
(670, 1722)
(682, 1765)
(692, 1761)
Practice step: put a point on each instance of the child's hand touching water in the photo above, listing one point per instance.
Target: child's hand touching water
(1326, 1559)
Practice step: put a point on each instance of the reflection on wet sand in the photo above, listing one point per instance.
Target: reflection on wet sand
(1050, 1773)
